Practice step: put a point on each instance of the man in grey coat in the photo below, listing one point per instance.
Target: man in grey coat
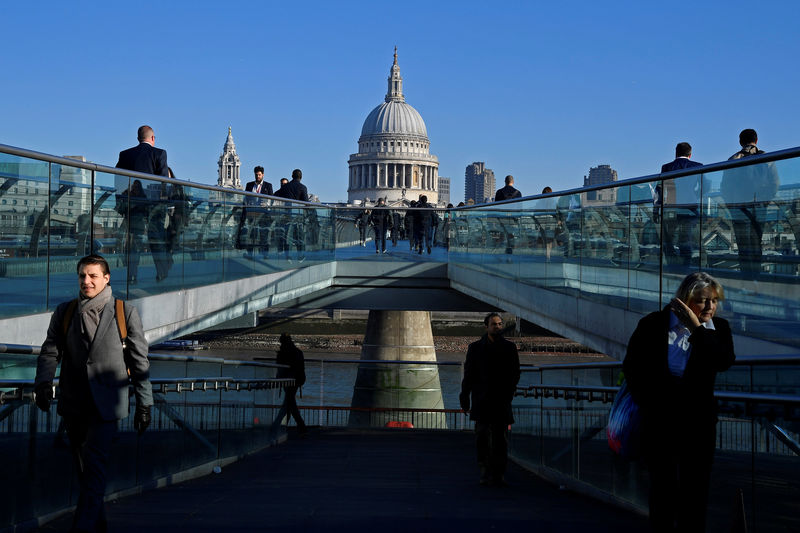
(94, 381)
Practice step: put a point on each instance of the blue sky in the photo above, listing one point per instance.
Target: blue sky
(540, 90)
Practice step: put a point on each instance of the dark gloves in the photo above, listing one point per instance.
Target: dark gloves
(43, 395)
(141, 419)
(463, 399)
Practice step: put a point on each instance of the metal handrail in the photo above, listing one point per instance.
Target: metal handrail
(374, 361)
(65, 161)
(25, 349)
(23, 388)
(711, 167)
(740, 361)
(606, 394)
(766, 157)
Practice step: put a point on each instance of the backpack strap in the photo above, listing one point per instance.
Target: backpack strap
(119, 312)
(119, 308)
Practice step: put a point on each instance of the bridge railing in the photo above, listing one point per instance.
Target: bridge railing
(630, 243)
(562, 412)
(208, 412)
(159, 235)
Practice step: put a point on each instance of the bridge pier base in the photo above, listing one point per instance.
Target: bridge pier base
(398, 336)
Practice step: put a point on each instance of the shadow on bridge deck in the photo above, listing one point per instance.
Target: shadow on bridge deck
(350, 480)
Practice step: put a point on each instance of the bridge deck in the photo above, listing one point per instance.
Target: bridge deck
(349, 480)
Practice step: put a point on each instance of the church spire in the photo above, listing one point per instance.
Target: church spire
(230, 146)
(395, 92)
(229, 165)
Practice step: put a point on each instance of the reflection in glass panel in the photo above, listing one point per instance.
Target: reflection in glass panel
(681, 212)
(604, 265)
(24, 213)
(109, 228)
(70, 228)
(749, 243)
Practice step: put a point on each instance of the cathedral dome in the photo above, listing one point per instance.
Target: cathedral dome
(394, 117)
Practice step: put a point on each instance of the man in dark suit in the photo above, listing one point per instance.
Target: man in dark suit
(508, 192)
(256, 214)
(94, 381)
(297, 230)
(681, 195)
(683, 154)
(297, 190)
(145, 157)
(491, 374)
(258, 185)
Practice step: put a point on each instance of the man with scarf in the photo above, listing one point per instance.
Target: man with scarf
(94, 381)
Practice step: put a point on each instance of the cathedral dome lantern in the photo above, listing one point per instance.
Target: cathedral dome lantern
(393, 159)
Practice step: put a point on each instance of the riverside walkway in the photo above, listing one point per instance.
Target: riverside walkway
(352, 480)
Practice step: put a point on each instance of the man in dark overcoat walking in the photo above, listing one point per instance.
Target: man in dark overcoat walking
(491, 374)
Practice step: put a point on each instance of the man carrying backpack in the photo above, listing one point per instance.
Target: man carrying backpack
(99, 342)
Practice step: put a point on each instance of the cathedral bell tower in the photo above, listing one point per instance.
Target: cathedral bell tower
(229, 165)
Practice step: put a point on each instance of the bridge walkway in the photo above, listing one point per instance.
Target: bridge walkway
(352, 480)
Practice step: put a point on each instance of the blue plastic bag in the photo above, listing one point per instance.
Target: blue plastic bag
(624, 425)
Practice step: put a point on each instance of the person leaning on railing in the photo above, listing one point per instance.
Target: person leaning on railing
(670, 367)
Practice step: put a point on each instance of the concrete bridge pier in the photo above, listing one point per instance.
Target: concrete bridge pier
(398, 336)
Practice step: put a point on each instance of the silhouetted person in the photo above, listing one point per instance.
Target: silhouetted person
(747, 191)
(297, 189)
(145, 157)
(425, 222)
(291, 356)
(157, 226)
(548, 229)
(683, 158)
(491, 374)
(297, 230)
(508, 192)
(362, 221)
(132, 204)
(682, 195)
(411, 229)
(381, 221)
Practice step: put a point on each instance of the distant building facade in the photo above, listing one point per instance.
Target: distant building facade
(229, 165)
(601, 175)
(444, 190)
(393, 159)
(479, 183)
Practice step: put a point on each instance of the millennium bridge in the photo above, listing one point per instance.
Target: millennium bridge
(585, 263)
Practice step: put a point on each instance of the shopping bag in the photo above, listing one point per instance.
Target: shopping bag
(624, 425)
